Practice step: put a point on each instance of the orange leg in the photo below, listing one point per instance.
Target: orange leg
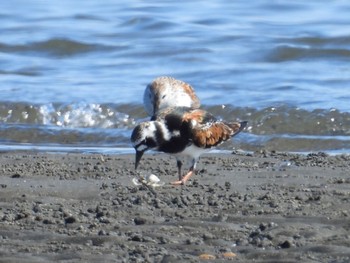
(185, 178)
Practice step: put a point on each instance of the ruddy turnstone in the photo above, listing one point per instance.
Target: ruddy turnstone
(165, 92)
(183, 132)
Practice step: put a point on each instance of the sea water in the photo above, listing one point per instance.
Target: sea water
(72, 73)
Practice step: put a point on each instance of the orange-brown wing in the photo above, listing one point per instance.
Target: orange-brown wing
(197, 116)
(204, 129)
(207, 136)
(185, 114)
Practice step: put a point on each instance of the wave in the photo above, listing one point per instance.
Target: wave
(271, 120)
(282, 128)
(283, 53)
(74, 115)
(56, 47)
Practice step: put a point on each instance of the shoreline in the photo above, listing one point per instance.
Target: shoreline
(266, 206)
(108, 150)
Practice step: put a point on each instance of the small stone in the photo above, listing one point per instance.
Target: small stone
(100, 214)
(206, 256)
(229, 255)
(16, 175)
(285, 244)
(48, 222)
(70, 220)
(102, 233)
(140, 221)
(137, 238)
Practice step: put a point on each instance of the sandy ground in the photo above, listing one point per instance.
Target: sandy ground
(261, 207)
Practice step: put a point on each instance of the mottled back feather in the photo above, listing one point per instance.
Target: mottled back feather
(207, 136)
(204, 130)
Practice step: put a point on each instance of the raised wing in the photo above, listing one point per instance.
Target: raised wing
(207, 132)
(204, 130)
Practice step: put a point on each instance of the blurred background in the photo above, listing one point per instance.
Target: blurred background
(72, 73)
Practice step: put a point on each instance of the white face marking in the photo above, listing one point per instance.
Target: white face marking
(148, 130)
(141, 148)
(175, 133)
(165, 131)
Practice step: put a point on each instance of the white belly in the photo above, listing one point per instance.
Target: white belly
(193, 151)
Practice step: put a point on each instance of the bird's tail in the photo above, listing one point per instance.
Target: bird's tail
(237, 127)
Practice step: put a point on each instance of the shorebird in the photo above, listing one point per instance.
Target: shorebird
(182, 131)
(165, 92)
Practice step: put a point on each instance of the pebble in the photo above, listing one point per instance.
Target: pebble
(229, 255)
(140, 221)
(70, 220)
(206, 256)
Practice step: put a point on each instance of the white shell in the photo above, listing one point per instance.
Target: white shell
(136, 181)
(151, 180)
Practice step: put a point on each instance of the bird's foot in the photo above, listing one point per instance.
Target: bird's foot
(179, 182)
(184, 179)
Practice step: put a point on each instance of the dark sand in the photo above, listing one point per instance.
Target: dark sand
(264, 207)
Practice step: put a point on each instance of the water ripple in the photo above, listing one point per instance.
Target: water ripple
(289, 53)
(74, 72)
(56, 47)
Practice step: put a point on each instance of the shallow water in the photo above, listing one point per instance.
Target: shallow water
(72, 75)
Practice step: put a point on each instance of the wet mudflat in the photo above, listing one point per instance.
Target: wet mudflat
(261, 207)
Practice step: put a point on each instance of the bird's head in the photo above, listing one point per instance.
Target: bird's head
(144, 138)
